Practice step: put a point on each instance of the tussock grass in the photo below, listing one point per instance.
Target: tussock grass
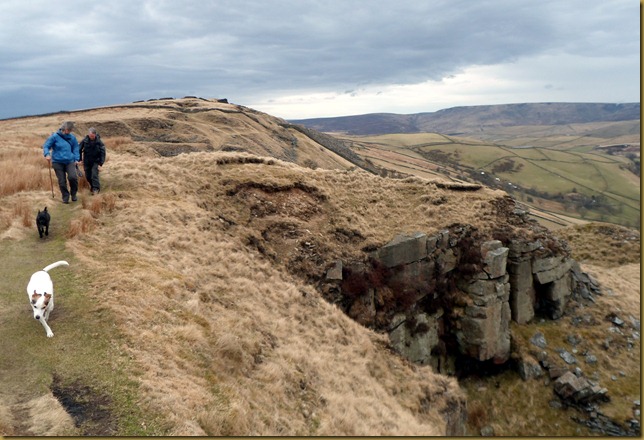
(99, 204)
(117, 144)
(23, 211)
(82, 225)
(23, 170)
(215, 333)
(223, 314)
(603, 244)
(52, 417)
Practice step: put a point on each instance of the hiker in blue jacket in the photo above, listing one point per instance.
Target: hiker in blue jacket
(61, 149)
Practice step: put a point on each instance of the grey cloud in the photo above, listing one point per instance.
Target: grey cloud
(115, 50)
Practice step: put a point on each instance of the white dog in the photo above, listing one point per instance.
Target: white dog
(40, 291)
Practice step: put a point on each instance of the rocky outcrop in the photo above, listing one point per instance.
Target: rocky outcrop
(454, 294)
(578, 389)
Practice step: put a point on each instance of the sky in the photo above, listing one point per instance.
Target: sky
(299, 59)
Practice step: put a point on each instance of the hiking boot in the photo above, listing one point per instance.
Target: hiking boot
(96, 191)
(74, 198)
(65, 200)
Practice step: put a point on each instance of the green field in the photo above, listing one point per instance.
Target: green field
(584, 182)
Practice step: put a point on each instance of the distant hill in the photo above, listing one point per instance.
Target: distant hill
(225, 278)
(473, 119)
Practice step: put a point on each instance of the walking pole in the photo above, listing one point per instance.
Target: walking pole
(50, 180)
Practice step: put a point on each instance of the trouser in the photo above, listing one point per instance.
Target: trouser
(64, 172)
(91, 174)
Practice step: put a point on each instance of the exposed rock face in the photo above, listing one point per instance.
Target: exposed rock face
(404, 250)
(484, 331)
(413, 344)
(453, 291)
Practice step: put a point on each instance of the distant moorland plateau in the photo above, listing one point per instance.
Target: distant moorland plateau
(476, 120)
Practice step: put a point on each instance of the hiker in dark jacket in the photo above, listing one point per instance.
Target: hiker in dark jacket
(92, 153)
(62, 151)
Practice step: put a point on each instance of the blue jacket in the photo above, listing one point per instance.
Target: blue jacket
(64, 146)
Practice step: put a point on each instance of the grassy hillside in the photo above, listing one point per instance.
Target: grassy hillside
(549, 173)
(189, 307)
(169, 307)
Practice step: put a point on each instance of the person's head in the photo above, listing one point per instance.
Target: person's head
(67, 127)
(91, 133)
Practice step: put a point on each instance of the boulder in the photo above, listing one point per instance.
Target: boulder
(539, 340)
(546, 264)
(567, 357)
(518, 248)
(404, 249)
(578, 389)
(561, 267)
(335, 273)
(529, 369)
(556, 372)
(495, 258)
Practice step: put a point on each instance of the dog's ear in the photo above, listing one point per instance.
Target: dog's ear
(47, 295)
(35, 297)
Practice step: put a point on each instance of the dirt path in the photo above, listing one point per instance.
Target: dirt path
(77, 382)
(27, 354)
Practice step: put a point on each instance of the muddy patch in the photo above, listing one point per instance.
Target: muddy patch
(89, 409)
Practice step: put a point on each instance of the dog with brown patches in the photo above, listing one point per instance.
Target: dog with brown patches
(40, 291)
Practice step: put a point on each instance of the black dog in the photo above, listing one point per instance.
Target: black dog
(42, 221)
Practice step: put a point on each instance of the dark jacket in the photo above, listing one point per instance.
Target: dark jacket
(62, 147)
(92, 151)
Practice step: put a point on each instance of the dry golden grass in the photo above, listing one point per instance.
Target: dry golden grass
(52, 418)
(98, 204)
(117, 144)
(82, 225)
(621, 286)
(226, 337)
(23, 170)
(223, 315)
(603, 244)
(22, 211)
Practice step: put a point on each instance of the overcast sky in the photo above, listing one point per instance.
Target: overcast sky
(304, 58)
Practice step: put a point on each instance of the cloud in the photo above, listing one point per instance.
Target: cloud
(96, 53)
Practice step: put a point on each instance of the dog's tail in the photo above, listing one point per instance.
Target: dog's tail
(56, 264)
